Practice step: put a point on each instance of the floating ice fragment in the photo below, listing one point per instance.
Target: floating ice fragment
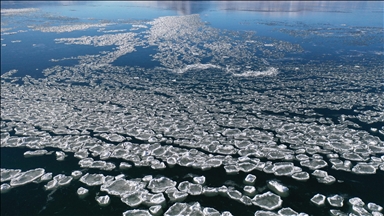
(82, 192)
(250, 179)
(210, 191)
(363, 168)
(199, 179)
(137, 212)
(287, 212)
(301, 176)
(51, 185)
(8, 174)
(265, 213)
(234, 194)
(27, 177)
(326, 180)
(161, 184)
(359, 210)
(177, 196)
(374, 207)
(208, 211)
(314, 163)
(76, 174)
(93, 179)
(35, 153)
(336, 200)
(249, 190)
(156, 210)
(4, 188)
(119, 187)
(320, 173)
(133, 199)
(195, 189)
(60, 156)
(335, 212)
(268, 200)
(278, 188)
(318, 199)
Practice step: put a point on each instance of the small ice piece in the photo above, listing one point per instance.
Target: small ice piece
(301, 176)
(360, 210)
(124, 166)
(327, 180)
(4, 188)
(320, 173)
(46, 177)
(246, 200)
(147, 178)
(156, 210)
(231, 169)
(208, 211)
(35, 153)
(334, 212)
(60, 156)
(374, 213)
(133, 199)
(363, 168)
(64, 180)
(27, 177)
(51, 184)
(314, 163)
(195, 189)
(234, 194)
(137, 212)
(159, 185)
(374, 207)
(249, 190)
(265, 213)
(156, 199)
(76, 174)
(278, 188)
(336, 200)
(250, 179)
(226, 213)
(287, 212)
(177, 196)
(178, 209)
(93, 179)
(82, 192)
(210, 191)
(119, 187)
(199, 179)
(8, 174)
(356, 201)
(268, 200)
(318, 199)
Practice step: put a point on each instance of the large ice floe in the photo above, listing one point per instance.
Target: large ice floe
(213, 129)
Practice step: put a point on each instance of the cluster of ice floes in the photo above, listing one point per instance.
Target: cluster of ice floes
(69, 28)
(17, 11)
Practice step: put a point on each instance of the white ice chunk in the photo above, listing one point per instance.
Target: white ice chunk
(265, 213)
(27, 177)
(268, 200)
(250, 179)
(8, 174)
(208, 211)
(161, 184)
(287, 212)
(76, 174)
(318, 199)
(199, 179)
(137, 212)
(133, 199)
(119, 187)
(374, 207)
(4, 188)
(156, 210)
(249, 190)
(363, 168)
(93, 179)
(82, 192)
(335, 200)
(278, 188)
(301, 176)
(35, 153)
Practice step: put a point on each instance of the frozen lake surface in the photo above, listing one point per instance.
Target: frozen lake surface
(192, 108)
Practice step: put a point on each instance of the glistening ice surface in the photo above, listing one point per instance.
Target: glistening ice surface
(192, 108)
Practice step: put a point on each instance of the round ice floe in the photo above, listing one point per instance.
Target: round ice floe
(287, 212)
(156, 210)
(4, 188)
(133, 199)
(231, 169)
(93, 179)
(285, 170)
(374, 207)
(51, 185)
(356, 201)
(265, 213)
(8, 174)
(301, 176)
(137, 212)
(336, 200)
(210, 191)
(199, 179)
(268, 200)
(208, 211)
(124, 166)
(195, 189)
(314, 164)
(161, 184)
(249, 190)
(35, 153)
(318, 199)
(250, 179)
(76, 174)
(119, 187)
(27, 177)
(82, 192)
(278, 188)
(363, 168)
(326, 180)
